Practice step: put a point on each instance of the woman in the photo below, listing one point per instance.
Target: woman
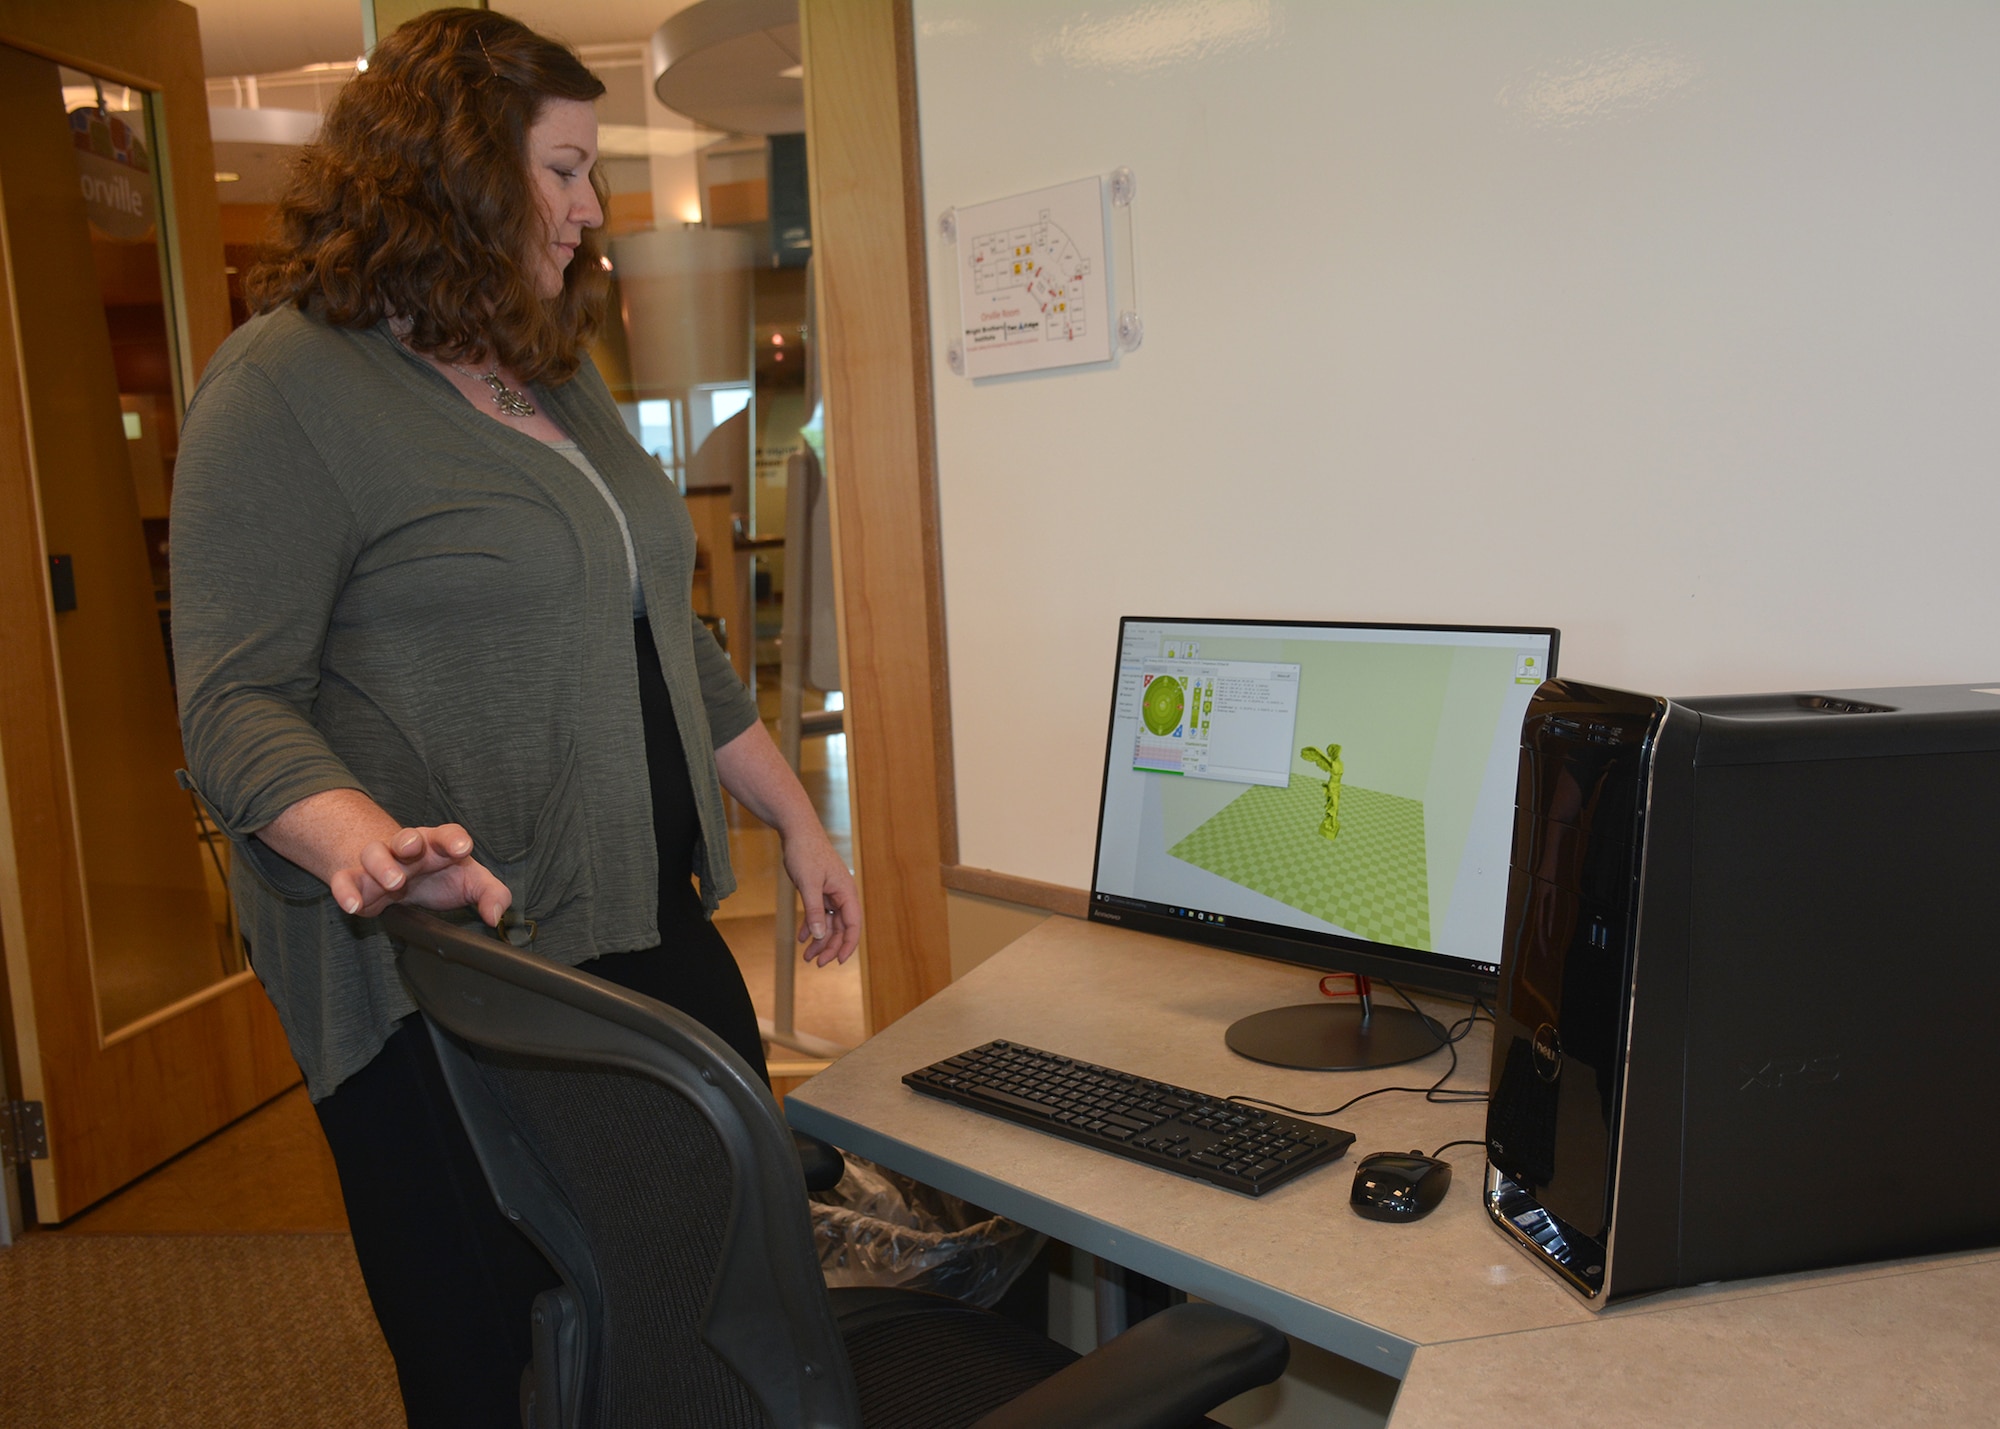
(432, 623)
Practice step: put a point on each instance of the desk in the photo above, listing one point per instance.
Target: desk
(1424, 1302)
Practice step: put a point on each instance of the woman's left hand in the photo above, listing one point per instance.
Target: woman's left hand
(754, 771)
(831, 922)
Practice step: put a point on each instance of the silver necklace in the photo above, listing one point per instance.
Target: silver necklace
(510, 402)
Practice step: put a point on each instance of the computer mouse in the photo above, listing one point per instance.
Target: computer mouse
(1399, 1185)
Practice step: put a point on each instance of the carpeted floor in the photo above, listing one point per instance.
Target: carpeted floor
(271, 1331)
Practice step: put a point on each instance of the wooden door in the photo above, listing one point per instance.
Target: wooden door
(135, 1021)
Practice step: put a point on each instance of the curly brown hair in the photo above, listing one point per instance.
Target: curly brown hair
(416, 201)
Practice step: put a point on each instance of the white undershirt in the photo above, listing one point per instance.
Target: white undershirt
(577, 459)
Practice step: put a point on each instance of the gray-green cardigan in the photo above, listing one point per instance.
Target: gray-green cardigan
(376, 586)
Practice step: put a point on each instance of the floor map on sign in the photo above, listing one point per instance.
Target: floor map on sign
(1031, 280)
(1042, 261)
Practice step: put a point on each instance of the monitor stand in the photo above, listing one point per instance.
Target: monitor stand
(1336, 1037)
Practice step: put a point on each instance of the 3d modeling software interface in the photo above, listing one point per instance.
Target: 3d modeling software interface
(1348, 780)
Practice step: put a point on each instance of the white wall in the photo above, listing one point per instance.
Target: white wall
(1673, 324)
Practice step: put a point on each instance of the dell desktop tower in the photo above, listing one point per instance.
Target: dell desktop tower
(1750, 984)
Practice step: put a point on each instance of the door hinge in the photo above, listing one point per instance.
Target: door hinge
(24, 1136)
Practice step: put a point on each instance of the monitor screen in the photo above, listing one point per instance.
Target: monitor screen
(1336, 795)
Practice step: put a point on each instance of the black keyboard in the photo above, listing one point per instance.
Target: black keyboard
(1134, 1117)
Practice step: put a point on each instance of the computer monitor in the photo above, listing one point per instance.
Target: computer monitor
(1336, 795)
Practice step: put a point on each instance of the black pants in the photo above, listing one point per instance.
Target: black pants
(450, 1278)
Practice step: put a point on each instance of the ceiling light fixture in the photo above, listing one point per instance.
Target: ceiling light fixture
(733, 65)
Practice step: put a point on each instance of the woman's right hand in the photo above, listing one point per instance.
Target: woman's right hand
(368, 861)
(429, 867)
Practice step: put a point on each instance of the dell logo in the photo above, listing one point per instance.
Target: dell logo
(1548, 1053)
(1778, 1073)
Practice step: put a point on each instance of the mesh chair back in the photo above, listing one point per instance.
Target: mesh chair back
(653, 1169)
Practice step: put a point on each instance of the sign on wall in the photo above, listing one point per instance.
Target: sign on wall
(1031, 280)
(115, 173)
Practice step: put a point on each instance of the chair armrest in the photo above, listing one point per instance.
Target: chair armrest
(1163, 1373)
(822, 1164)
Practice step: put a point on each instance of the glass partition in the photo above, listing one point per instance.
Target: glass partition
(155, 871)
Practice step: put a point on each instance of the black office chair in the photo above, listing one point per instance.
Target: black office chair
(652, 1167)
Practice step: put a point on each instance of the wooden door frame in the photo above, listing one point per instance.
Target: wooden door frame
(873, 330)
(153, 45)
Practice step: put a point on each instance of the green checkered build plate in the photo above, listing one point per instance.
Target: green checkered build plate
(1373, 880)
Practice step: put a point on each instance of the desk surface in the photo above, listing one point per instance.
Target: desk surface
(1435, 1293)
(1909, 1344)
(1297, 1256)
